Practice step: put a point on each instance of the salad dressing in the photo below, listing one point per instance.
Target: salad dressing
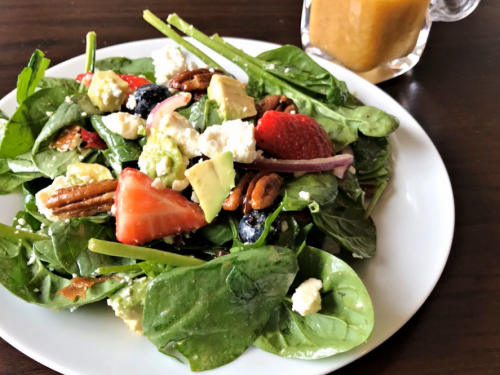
(364, 34)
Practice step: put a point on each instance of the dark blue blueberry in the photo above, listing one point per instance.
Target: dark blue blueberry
(147, 97)
(252, 226)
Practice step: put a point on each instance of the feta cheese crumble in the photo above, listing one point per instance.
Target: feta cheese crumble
(194, 197)
(236, 136)
(304, 195)
(123, 124)
(306, 299)
(179, 185)
(131, 102)
(158, 184)
(168, 61)
(182, 132)
(21, 221)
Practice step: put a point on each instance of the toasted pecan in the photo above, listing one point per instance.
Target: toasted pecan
(247, 201)
(235, 199)
(193, 80)
(85, 213)
(278, 103)
(266, 190)
(63, 197)
(86, 204)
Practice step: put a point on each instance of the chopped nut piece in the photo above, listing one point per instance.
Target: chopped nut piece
(278, 103)
(193, 80)
(266, 190)
(65, 138)
(247, 202)
(235, 199)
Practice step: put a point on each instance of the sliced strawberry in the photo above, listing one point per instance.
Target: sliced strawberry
(144, 213)
(93, 140)
(292, 136)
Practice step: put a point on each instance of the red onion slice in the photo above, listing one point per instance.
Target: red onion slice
(341, 171)
(166, 107)
(312, 165)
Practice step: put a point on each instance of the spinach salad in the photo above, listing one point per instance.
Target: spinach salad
(210, 213)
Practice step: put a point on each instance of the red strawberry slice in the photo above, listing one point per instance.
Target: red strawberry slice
(144, 213)
(292, 136)
(93, 140)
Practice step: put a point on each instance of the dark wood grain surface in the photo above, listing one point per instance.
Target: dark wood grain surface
(453, 93)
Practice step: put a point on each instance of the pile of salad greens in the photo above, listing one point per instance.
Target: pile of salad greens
(181, 294)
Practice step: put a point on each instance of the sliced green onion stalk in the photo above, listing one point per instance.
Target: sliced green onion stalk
(90, 57)
(14, 234)
(375, 199)
(118, 269)
(143, 253)
(167, 31)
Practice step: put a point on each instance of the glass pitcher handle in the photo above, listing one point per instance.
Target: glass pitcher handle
(451, 10)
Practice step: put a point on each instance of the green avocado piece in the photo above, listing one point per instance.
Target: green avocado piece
(231, 96)
(212, 181)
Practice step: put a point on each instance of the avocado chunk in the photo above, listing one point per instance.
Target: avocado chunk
(212, 181)
(231, 96)
(107, 91)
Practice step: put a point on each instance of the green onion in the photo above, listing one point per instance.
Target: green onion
(167, 30)
(90, 57)
(143, 253)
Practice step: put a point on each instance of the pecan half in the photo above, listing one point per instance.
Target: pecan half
(235, 199)
(247, 202)
(193, 80)
(65, 138)
(83, 200)
(278, 103)
(266, 190)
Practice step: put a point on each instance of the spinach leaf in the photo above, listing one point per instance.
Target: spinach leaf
(70, 241)
(297, 67)
(30, 206)
(345, 320)
(67, 83)
(218, 233)
(24, 221)
(153, 269)
(294, 237)
(53, 163)
(121, 65)
(3, 116)
(69, 112)
(350, 228)
(350, 186)
(214, 323)
(4, 166)
(119, 150)
(10, 181)
(370, 153)
(28, 80)
(22, 163)
(28, 120)
(322, 188)
(202, 114)
(35, 284)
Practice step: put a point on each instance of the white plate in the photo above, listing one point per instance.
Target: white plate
(415, 221)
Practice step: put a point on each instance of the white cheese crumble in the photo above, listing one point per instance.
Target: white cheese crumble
(158, 184)
(68, 100)
(75, 142)
(179, 185)
(43, 196)
(131, 102)
(236, 136)
(21, 221)
(169, 239)
(123, 124)
(304, 195)
(182, 132)
(306, 299)
(32, 259)
(163, 167)
(194, 197)
(284, 226)
(48, 113)
(168, 61)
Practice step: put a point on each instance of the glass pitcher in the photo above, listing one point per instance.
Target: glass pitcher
(377, 39)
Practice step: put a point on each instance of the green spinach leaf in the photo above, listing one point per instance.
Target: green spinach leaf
(10, 181)
(370, 153)
(53, 163)
(22, 163)
(119, 150)
(322, 188)
(218, 233)
(350, 186)
(350, 228)
(202, 114)
(121, 65)
(3, 116)
(345, 320)
(67, 83)
(215, 322)
(28, 80)
(69, 112)
(25, 125)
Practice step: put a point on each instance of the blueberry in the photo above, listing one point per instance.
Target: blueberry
(147, 97)
(252, 226)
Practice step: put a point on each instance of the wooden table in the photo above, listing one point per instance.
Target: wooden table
(453, 93)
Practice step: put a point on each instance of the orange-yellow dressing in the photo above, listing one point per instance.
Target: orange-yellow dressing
(79, 286)
(364, 34)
